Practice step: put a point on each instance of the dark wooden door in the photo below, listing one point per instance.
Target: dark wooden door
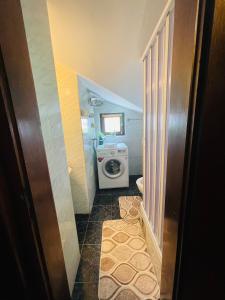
(27, 201)
(10, 266)
(21, 264)
(193, 250)
(201, 270)
(187, 35)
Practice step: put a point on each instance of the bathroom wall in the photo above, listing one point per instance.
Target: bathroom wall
(132, 137)
(88, 130)
(71, 120)
(104, 40)
(152, 12)
(40, 50)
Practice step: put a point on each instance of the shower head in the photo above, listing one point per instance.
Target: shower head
(95, 101)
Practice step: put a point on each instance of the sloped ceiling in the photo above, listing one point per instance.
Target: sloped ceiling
(103, 40)
(106, 94)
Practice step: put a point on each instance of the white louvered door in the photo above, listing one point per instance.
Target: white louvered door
(157, 71)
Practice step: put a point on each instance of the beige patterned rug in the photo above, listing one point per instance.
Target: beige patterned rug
(130, 208)
(126, 270)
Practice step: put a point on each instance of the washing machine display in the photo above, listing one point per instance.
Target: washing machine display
(113, 166)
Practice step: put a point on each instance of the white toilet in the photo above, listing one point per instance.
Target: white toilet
(140, 184)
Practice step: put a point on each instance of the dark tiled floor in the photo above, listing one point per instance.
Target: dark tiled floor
(104, 199)
(89, 228)
(82, 218)
(101, 213)
(81, 230)
(85, 290)
(94, 233)
(115, 212)
(88, 270)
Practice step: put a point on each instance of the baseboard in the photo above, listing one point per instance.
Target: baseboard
(152, 244)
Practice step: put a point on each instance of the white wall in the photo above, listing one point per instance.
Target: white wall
(152, 12)
(40, 50)
(132, 137)
(70, 110)
(88, 130)
(103, 40)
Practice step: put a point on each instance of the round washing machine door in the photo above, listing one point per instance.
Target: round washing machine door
(113, 167)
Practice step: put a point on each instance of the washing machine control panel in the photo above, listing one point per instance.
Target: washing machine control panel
(119, 151)
(122, 150)
(107, 153)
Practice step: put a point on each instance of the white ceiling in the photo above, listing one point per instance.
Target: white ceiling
(103, 40)
(106, 94)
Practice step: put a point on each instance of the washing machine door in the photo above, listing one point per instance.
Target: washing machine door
(113, 167)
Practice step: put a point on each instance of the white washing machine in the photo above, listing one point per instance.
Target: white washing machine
(113, 170)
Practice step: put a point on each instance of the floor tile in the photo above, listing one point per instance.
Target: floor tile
(104, 192)
(106, 207)
(81, 217)
(116, 200)
(94, 233)
(91, 253)
(122, 192)
(85, 291)
(101, 213)
(80, 247)
(115, 212)
(112, 191)
(134, 192)
(133, 178)
(88, 270)
(81, 230)
(103, 199)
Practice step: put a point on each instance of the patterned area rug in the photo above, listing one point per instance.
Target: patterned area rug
(126, 270)
(130, 208)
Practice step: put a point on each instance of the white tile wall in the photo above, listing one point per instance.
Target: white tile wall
(87, 113)
(70, 109)
(40, 50)
(132, 137)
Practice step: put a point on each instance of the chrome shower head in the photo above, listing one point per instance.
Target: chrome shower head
(95, 99)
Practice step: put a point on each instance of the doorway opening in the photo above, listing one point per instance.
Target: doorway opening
(106, 138)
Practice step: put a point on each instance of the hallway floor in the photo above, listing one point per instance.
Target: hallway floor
(89, 227)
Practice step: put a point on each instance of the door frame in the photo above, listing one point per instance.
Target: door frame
(26, 126)
(184, 79)
(200, 271)
(186, 92)
(195, 166)
(18, 226)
